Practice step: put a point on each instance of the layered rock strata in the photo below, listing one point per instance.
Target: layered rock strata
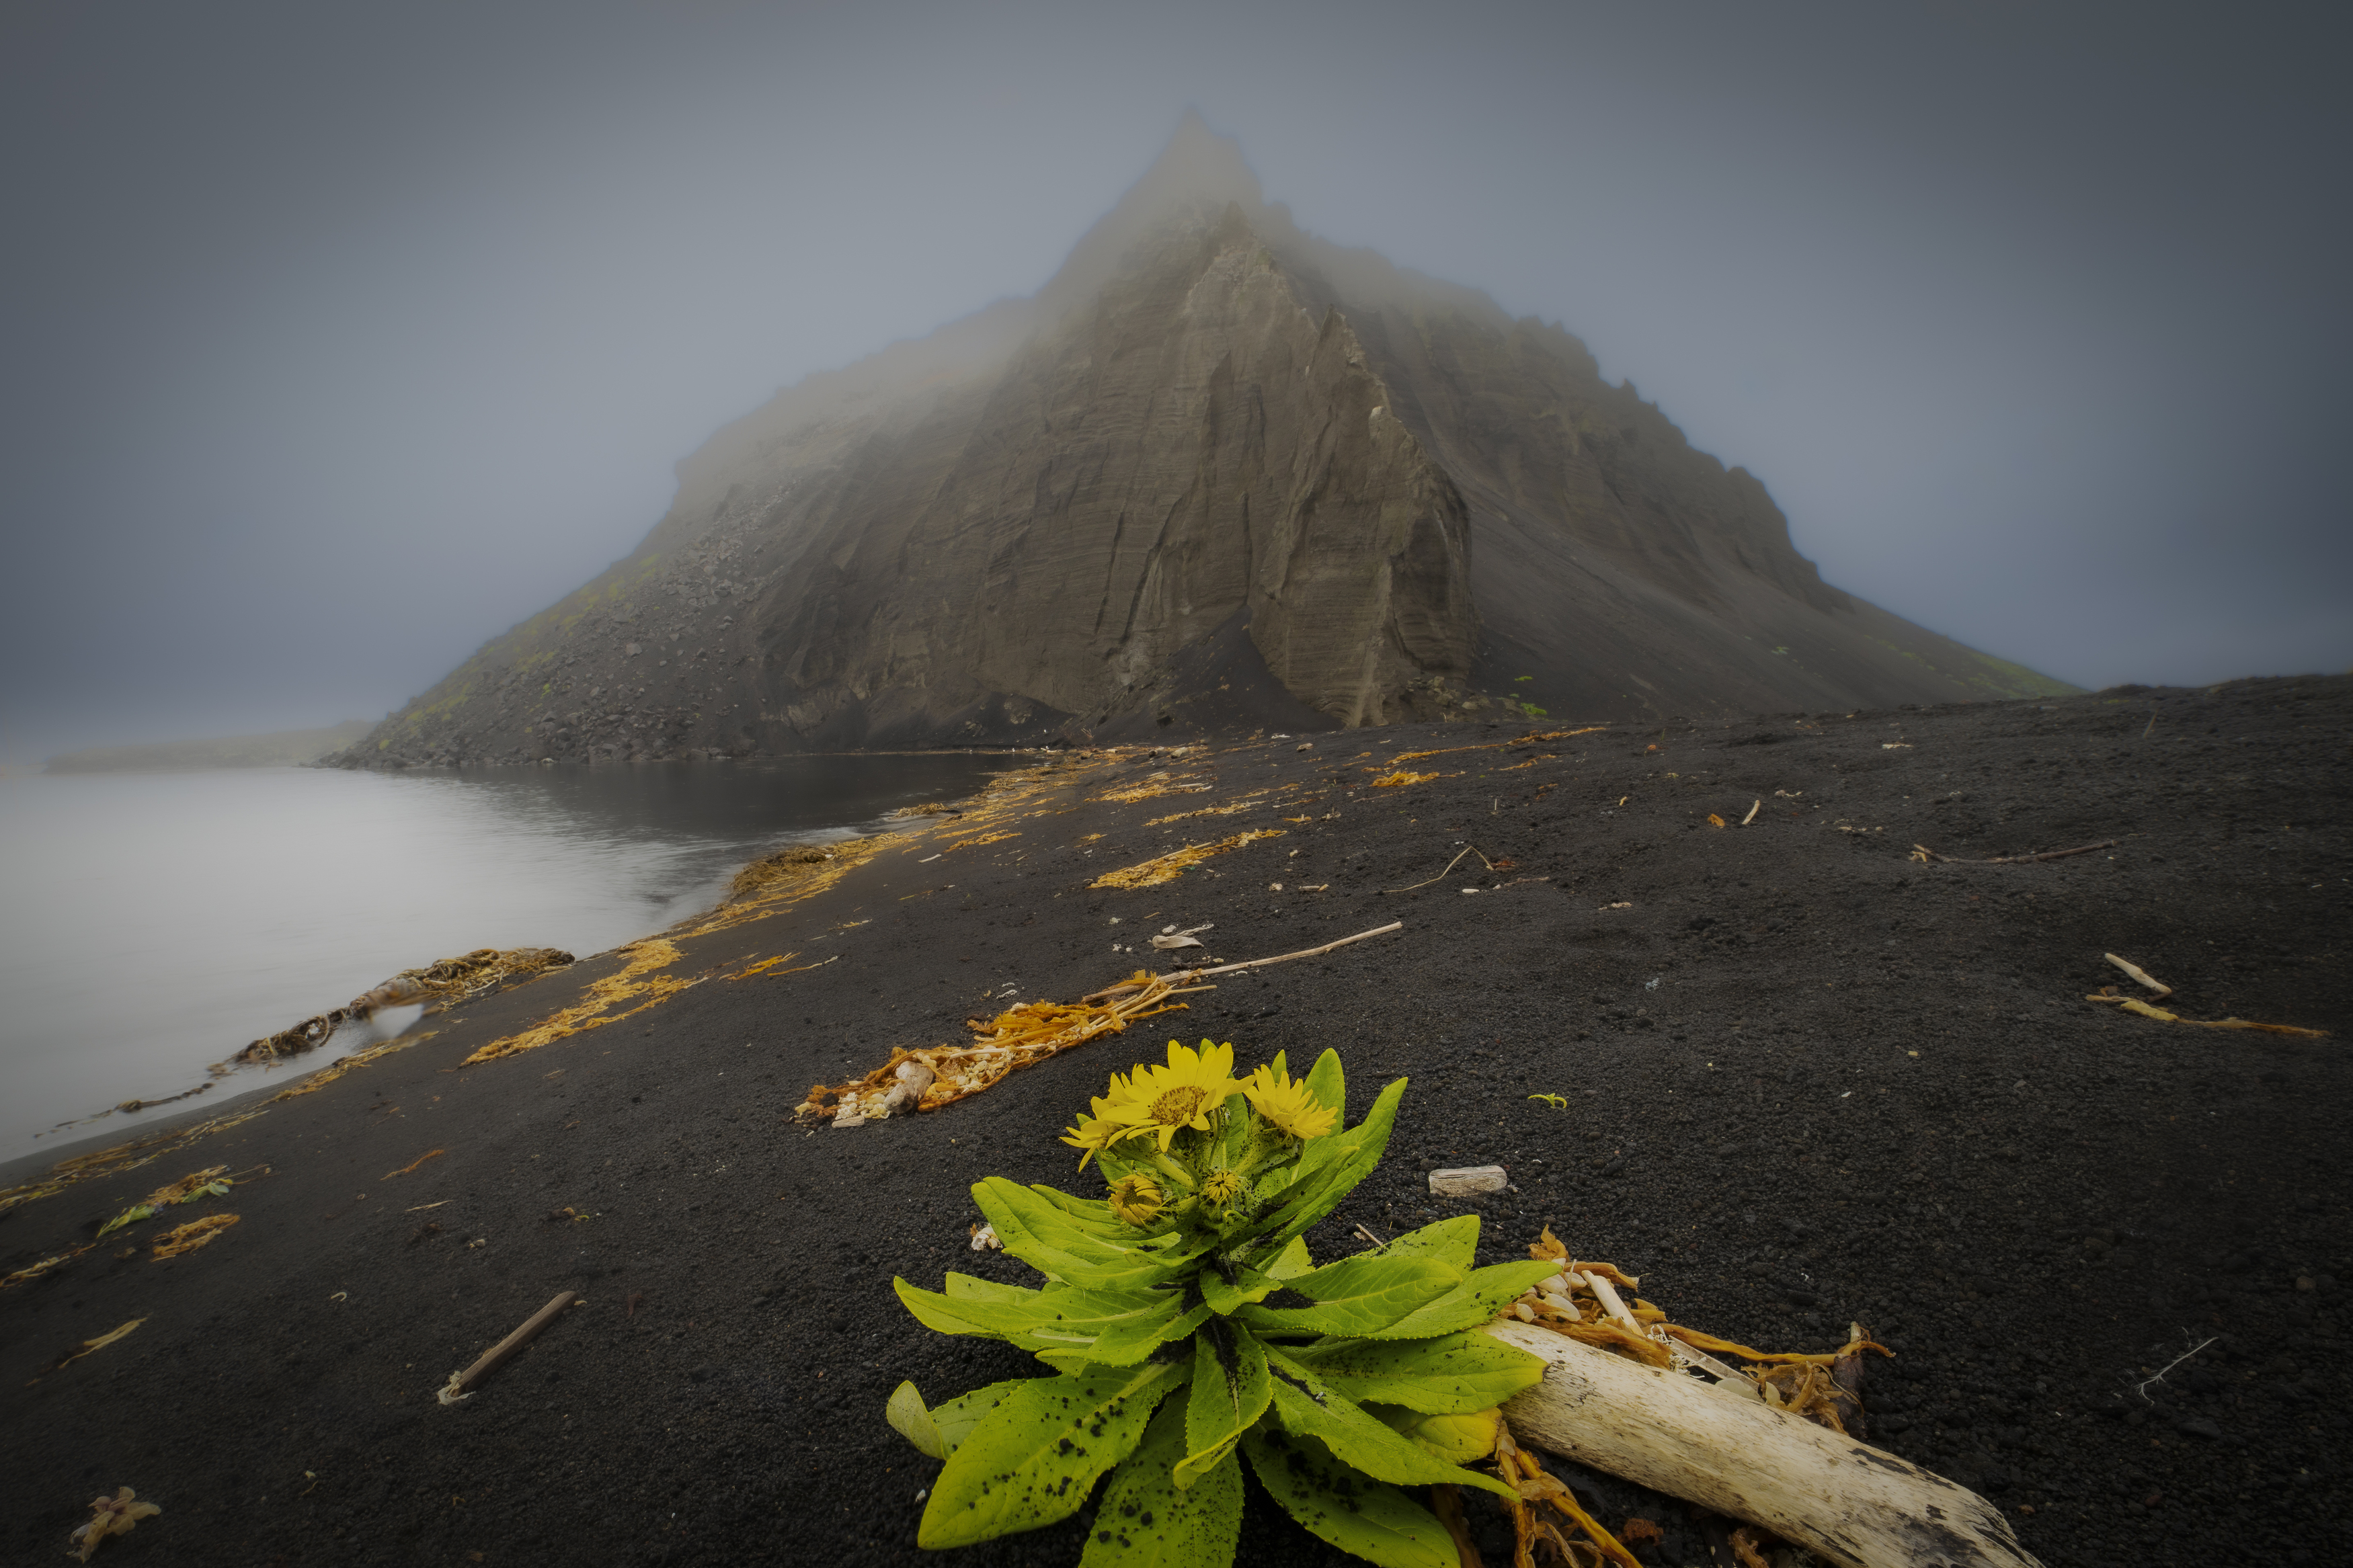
(1217, 474)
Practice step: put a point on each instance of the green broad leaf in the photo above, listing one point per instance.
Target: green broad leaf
(912, 1421)
(1090, 1215)
(1359, 1297)
(1125, 1344)
(947, 1315)
(1307, 1406)
(1248, 1285)
(1038, 1232)
(1454, 1376)
(1328, 1084)
(1463, 1439)
(1332, 1166)
(1146, 1520)
(1334, 1504)
(1292, 1261)
(1035, 1455)
(1366, 1271)
(1476, 1300)
(1235, 1129)
(955, 1420)
(968, 1287)
(1455, 1241)
(1230, 1391)
(1114, 1328)
(1041, 1234)
(129, 1217)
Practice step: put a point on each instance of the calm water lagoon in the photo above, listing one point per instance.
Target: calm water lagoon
(152, 923)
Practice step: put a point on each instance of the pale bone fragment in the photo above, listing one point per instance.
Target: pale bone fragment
(913, 1077)
(2137, 972)
(1847, 1502)
(1560, 1303)
(984, 1239)
(1611, 1302)
(1753, 808)
(1466, 1180)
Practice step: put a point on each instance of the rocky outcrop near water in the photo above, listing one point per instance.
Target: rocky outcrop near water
(1217, 474)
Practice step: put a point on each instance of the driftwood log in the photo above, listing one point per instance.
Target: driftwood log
(1849, 1503)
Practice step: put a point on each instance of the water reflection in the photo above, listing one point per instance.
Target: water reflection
(151, 923)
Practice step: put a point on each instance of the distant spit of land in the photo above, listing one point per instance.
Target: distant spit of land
(283, 748)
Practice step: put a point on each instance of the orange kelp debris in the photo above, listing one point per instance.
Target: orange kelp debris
(768, 966)
(1496, 745)
(197, 1233)
(1581, 1302)
(983, 838)
(789, 876)
(1228, 810)
(636, 979)
(405, 1170)
(1151, 789)
(2135, 1004)
(32, 1271)
(1017, 1037)
(439, 985)
(120, 1157)
(1170, 866)
(358, 1059)
(1400, 778)
(116, 1515)
(1539, 1486)
(99, 1343)
(215, 1180)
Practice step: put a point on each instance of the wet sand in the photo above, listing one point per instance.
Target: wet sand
(2047, 1197)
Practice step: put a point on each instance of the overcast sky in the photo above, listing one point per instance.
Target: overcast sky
(336, 339)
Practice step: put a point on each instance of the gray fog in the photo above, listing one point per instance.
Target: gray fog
(334, 340)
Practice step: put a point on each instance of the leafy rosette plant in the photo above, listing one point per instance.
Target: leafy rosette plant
(1190, 1332)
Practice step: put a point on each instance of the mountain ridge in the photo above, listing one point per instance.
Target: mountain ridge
(1215, 465)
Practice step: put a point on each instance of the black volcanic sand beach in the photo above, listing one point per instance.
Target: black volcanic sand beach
(1809, 1078)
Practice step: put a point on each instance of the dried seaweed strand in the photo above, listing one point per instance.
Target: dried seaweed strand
(1018, 1037)
(1170, 866)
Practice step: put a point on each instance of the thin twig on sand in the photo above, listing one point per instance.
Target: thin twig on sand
(2142, 1387)
(463, 1383)
(1467, 849)
(1921, 852)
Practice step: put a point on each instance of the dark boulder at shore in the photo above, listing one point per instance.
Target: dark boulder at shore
(1217, 474)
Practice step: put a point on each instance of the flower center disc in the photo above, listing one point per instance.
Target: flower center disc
(1178, 1106)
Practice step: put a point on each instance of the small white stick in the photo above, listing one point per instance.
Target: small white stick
(2141, 1387)
(1753, 807)
(1303, 952)
(2137, 972)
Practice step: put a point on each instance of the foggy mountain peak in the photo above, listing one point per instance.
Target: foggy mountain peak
(1217, 474)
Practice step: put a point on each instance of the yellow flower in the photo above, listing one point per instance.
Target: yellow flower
(1165, 1100)
(1137, 1199)
(1096, 1132)
(1284, 1101)
(1221, 1190)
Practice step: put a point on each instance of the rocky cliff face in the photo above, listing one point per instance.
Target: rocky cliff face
(1218, 472)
